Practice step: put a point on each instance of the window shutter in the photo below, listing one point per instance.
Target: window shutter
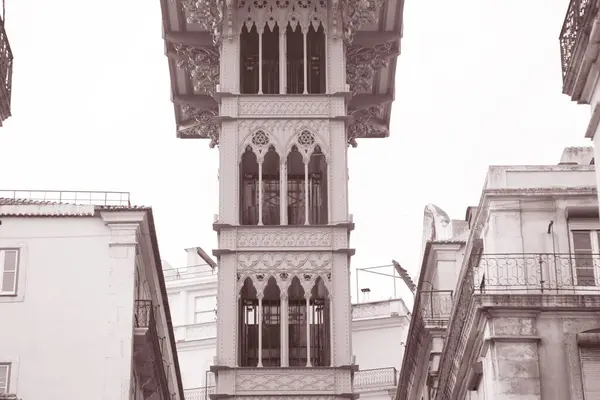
(4, 369)
(590, 370)
(9, 271)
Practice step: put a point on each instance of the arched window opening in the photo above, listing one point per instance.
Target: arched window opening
(270, 60)
(248, 325)
(249, 60)
(319, 317)
(297, 324)
(271, 325)
(295, 188)
(315, 48)
(295, 60)
(249, 188)
(317, 196)
(271, 189)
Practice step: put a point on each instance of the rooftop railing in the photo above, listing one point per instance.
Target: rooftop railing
(193, 271)
(6, 67)
(200, 393)
(574, 36)
(71, 197)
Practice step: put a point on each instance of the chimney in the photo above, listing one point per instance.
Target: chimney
(577, 156)
(366, 294)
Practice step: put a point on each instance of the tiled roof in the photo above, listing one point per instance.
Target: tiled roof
(63, 209)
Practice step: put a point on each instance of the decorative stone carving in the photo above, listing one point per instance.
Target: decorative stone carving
(358, 13)
(285, 380)
(283, 398)
(282, 106)
(274, 263)
(266, 13)
(363, 62)
(203, 125)
(370, 310)
(284, 238)
(203, 66)
(363, 126)
(208, 14)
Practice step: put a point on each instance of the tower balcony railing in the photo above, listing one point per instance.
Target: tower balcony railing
(574, 37)
(148, 350)
(375, 379)
(530, 274)
(199, 393)
(6, 67)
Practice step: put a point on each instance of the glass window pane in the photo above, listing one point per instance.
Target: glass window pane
(10, 260)
(582, 241)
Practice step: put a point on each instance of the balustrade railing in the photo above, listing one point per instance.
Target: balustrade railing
(377, 378)
(575, 34)
(199, 393)
(436, 306)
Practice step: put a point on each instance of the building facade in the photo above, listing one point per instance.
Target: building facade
(283, 88)
(83, 304)
(507, 306)
(192, 292)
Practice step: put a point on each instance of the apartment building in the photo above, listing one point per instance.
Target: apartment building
(508, 299)
(83, 304)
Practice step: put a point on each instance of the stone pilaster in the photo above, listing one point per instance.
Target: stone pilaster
(123, 242)
(510, 356)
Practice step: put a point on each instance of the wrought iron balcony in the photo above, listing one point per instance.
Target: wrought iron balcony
(199, 393)
(6, 66)
(148, 351)
(436, 307)
(375, 379)
(574, 37)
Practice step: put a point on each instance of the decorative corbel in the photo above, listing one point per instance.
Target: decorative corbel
(208, 14)
(357, 13)
(203, 66)
(202, 124)
(363, 62)
(361, 126)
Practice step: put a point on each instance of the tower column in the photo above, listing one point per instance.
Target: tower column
(330, 316)
(260, 192)
(282, 61)
(283, 191)
(306, 191)
(307, 296)
(284, 326)
(260, 60)
(260, 326)
(304, 33)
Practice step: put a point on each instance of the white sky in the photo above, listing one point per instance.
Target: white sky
(478, 83)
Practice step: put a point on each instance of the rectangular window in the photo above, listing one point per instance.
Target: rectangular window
(205, 308)
(9, 263)
(590, 371)
(4, 377)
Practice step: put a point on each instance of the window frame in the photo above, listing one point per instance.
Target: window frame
(7, 377)
(592, 227)
(3, 252)
(205, 311)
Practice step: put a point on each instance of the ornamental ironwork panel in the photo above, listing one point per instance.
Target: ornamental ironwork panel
(575, 33)
(436, 306)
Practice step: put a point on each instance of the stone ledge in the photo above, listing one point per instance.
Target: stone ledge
(541, 302)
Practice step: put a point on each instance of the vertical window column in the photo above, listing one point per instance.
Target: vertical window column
(330, 317)
(283, 191)
(305, 64)
(260, 328)
(260, 70)
(307, 296)
(282, 63)
(306, 194)
(260, 191)
(284, 328)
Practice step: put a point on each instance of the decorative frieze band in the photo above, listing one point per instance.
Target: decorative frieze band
(284, 238)
(286, 380)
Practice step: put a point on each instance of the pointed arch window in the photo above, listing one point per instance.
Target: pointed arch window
(249, 177)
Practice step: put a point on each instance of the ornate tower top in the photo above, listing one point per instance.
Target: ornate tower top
(195, 32)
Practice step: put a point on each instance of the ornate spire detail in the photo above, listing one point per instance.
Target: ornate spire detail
(208, 14)
(202, 65)
(358, 13)
(362, 63)
(202, 125)
(362, 126)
